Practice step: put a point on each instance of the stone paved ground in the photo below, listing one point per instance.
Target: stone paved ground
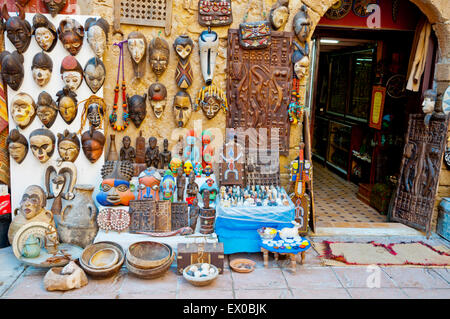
(311, 280)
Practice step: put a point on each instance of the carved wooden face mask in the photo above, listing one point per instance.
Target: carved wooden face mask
(44, 32)
(46, 109)
(137, 46)
(68, 146)
(67, 104)
(157, 94)
(54, 6)
(279, 14)
(17, 145)
(42, 144)
(23, 109)
(302, 24)
(71, 73)
(12, 69)
(96, 108)
(71, 34)
(92, 143)
(159, 53)
(18, 30)
(182, 108)
(137, 108)
(42, 68)
(97, 35)
(94, 74)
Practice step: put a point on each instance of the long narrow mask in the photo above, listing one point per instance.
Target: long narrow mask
(208, 43)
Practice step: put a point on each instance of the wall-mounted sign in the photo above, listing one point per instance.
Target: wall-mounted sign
(377, 106)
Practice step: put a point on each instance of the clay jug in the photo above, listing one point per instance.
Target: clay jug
(77, 223)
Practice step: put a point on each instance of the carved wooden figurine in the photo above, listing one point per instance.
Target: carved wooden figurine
(140, 149)
(152, 153)
(165, 156)
(127, 152)
(192, 186)
(194, 211)
(181, 184)
(41, 68)
(183, 46)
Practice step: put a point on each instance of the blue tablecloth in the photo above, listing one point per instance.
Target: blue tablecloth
(237, 227)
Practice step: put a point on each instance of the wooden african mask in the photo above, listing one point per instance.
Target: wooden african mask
(94, 74)
(183, 48)
(54, 6)
(46, 109)
(23, 109)
(42, 144)
(17, 145)
(97, 35)
(137, 108)
(300, 61)
(67, 104)
(71, 34)
(302, 24)
(157, 94)
(92, 143)
(279, 14)
(42, 68)
(182, 108)
(68, 146)
(12, 69)
(71, 72)
(18, 30)
(208, 44)
(44, 32)
(115, 188)
(94, 111)
(211, 99)
(137, 46)
(158, 55)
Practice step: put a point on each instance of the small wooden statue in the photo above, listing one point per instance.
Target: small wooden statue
(165, 156)
(206, 199)
(152, 153)
(140, 149)
(127, 152)
(181, 184)
(194, 211)
(192, 187)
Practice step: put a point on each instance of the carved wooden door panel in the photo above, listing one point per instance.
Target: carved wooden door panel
(259, 85)
(419, 173)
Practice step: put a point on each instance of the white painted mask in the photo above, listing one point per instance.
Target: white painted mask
(41, 76)
(72, 79)
(301, 67)
(428, 105)
(208, 43)
(44, 38)
(137, 49)
(97, 40)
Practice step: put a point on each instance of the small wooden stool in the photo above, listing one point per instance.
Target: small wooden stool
(292, 257)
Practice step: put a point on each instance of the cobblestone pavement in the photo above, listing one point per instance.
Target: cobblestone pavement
(310, 281)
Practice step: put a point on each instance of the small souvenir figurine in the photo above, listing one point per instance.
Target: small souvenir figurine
(207, 148)
(193, 214)
(115, 188)
(149, 181)
(42, 144)
(68, 146)
(174, 164)
(181, 184)
(67, 104)
(71, 72)
(279, 14)
(183, 46)
(12, 69)
(94, 110)
(92, 142)
(137, 46)
(17, 145)
(32, 209)
(206, 199)
(168, 186)
(191, 151)
(71, 34)
(191, 189)
(42, 67)
(157, 94)
(158, 55)
(51, 240)
(44, 32)
(54, 6)
(187, 168)
(140, 149)
(165, 156)
(127, 152)
(152, 153)
(97, 35)
(211, 187)
(211, 99)
(23, 109)
(302, 25)
(198, 169)
(112, 154)
(208, 44)
(182, 108)
(46, 109)
(207, 171)
(94, 74)
(137, 108)
(18, 30)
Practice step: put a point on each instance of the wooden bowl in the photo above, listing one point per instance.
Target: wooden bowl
(242, 265)
(148, 254)
(91, 249)
(150, 273)
(104, 258)
(200, 281)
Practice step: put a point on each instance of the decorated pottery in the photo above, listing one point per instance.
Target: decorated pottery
(32, 247)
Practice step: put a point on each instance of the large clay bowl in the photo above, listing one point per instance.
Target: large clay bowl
(148, 254)
(91, 249)
(200, 281)
(150, 273)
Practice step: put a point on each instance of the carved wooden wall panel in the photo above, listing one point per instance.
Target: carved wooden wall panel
(143, 213)
(259, 85)
(180, 215)
(419, 174)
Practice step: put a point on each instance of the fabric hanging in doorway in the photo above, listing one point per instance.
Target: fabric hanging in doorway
(418, 56)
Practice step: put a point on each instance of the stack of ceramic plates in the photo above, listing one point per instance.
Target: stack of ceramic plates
(148, 259)
(102, 259)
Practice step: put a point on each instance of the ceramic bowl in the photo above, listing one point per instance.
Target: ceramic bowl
(242, 265)
(148, 254)
(264, 235)
(104, 258)
(91, 249)
(150, 273)
(200, 281)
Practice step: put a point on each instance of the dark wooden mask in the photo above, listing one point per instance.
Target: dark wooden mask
(18, 30)
(137, 108)
(12, 69)
(71, 34)
(54, 6)
(92, 143)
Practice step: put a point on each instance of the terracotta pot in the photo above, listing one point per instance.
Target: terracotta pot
(77, 223)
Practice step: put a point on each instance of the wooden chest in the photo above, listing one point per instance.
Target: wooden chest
(190, 253)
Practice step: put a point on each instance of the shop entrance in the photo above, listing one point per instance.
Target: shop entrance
(356, 162)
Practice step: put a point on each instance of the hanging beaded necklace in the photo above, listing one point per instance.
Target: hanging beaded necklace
(295, 110)
(113, 115)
